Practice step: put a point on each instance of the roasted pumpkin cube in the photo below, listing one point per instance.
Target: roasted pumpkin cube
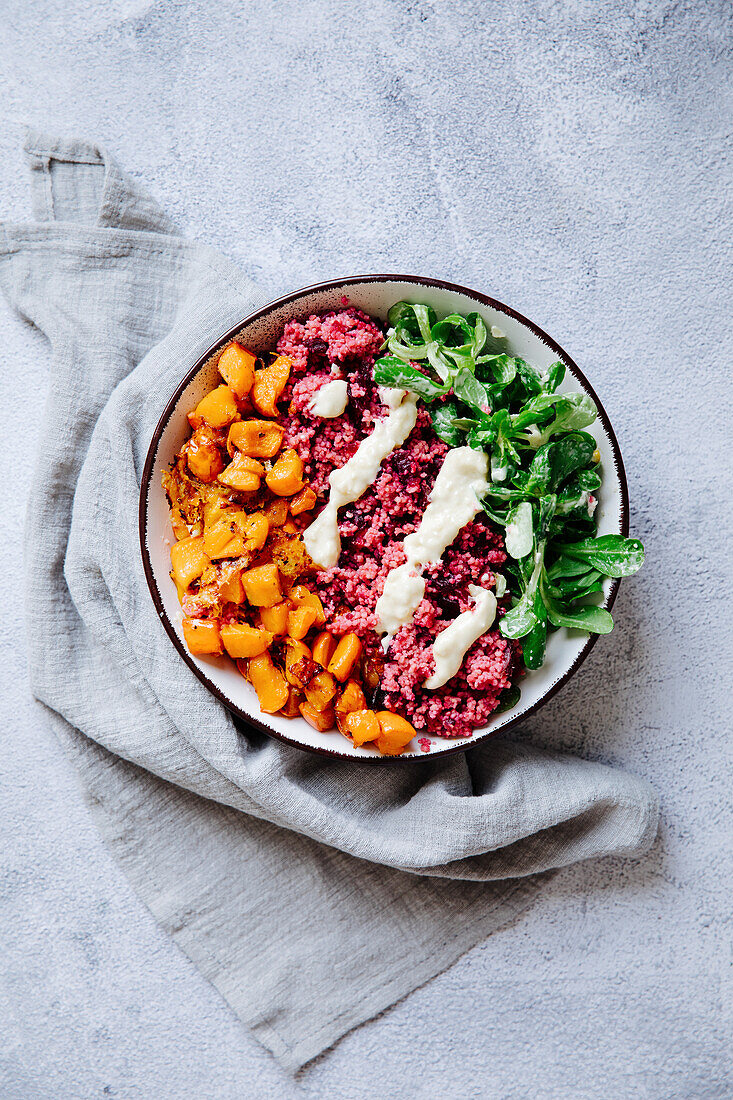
(203, 456)
(322, 720)
(291, 556)
(231, 590)
(241, 640)
(202, 637)
(303, 597)
(276, 512)
(320, 690)
(269, 683)
(360, 726)
(218, 408)
(303, 501)
(395, 733)
(257, 438)
(286, 476)
(243, 474)
(292, 707)
(237, 368)
(351, 698)
(300, 668)
(255, 529)
(223, 538)
(189, 560)
(345, 657)
(300, 620)
(262, 585)
(269, 384)
(323, 648)
(275, 618)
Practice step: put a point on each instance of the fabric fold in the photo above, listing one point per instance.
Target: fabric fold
(312, 894)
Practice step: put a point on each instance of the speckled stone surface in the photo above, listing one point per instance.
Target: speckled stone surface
(570, 159)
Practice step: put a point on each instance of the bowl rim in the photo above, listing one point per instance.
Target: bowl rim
(462, 744)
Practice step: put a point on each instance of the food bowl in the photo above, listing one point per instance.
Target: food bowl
(374, 294)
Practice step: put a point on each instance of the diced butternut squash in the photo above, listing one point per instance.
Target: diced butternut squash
(303, 597)
(395, 733)
(361, 726)
(203, 457)
(256, 438)
(243, 474)
(303, 501)
(323, 648)
(300, 620)
(232, 590)
(202, 636)
(189, 560)
(262, 585)
(275, 618)
(345, 657)
(292, 707)
(268, 682)
(322, 720)
(276, 512)
(286, 476)
(179, 525)
(351, 698)
(223, 539)
(255, 529)
(218, 408)
(237, 368)
(269, 384)
(241, 640)
(320, 690)
(300, 668)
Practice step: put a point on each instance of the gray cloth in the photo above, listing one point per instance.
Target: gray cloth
(313, 895)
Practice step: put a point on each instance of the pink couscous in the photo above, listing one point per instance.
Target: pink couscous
(345, 344)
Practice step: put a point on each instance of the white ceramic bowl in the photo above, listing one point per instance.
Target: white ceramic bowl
(374, 294)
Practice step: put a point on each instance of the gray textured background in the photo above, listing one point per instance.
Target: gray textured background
(571, 159)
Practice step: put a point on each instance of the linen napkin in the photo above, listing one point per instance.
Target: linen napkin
(313, 895)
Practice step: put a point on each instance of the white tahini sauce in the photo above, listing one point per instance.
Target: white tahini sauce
(452, 644)
(331, 399)
(454, 500)
(347, 484)
(391, 396)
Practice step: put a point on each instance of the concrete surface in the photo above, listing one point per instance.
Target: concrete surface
(569, 158)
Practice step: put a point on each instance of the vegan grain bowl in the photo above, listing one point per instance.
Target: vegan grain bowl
(379, 520)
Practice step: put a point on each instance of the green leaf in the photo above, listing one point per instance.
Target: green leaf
(520, 620)
(519, 536)
(390, 371)
(612, 555)
(509, 698)
(534, 643)
(555, 375)
(468, 389)
(596, 620)
(554, 462)
(445, 424)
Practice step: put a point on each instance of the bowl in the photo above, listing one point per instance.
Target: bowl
(259, 331)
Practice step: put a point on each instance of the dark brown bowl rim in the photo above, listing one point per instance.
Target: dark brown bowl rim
(464, 744)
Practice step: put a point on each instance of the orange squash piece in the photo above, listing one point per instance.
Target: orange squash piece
(322, 720)
(189, 560)
(262, 585)
(241, 640)
(275, 618)
(218, 408)
(351, 698)
(320, 690)
(292, 707)
(345, 657)
(269, 384)
(300, 620)
(268, 682)
(299, 665)
(323, 648)
(243, 474)
(360, 726)
(285, 479)
(202, 637)
(232, 590)
(256, 438)
(303, 597)
(276, 512)
(203, 457)
(395, 733)
(237, 368)
(303, 501)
